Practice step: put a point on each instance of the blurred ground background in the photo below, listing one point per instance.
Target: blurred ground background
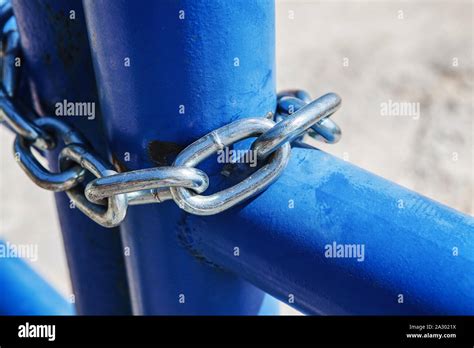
(368, 52)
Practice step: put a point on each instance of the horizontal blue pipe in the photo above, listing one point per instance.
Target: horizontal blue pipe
(24, 292)
(413, 246)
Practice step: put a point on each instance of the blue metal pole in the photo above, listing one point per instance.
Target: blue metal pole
(57, 59)
(24, 292)
(216, 63)
(417, 256)
(171, 71)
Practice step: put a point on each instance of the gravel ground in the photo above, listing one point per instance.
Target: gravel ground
(368, 52)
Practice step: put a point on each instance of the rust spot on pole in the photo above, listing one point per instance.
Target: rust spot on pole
(163, 153)
(118, 164)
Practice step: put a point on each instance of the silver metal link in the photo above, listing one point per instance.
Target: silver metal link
(41, 176)
(21, 126)
(147, 185)
(252, 185)
(158, 195)
(296, 124)
(296, 93)
(325, 130)
(10, 51)
(107, 216)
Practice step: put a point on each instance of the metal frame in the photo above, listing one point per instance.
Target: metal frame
(57, 60)
(218, 63)
(178, 62)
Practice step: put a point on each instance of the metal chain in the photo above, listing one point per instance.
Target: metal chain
(106, 198)
(325, 130)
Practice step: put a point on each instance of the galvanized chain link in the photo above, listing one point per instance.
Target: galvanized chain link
(325, 130)
(106, 198)
(295, 125)
(215, 141)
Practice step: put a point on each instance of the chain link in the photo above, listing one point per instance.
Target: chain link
(295, 125)
(145, 186)
(114, 212)
(325, 130)
(218, 140)
(106, 198)
(44, 178)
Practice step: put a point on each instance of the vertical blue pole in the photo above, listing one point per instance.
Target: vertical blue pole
(57, 59)
(169, 72)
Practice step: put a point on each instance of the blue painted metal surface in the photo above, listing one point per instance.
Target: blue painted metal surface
(24, 292)
(215, 63)
(413, 246)
(58, 64)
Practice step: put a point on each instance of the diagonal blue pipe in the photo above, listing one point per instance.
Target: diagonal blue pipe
(417, 256)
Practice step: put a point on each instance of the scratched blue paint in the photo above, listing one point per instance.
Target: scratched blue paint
(58, 64)
(24, 292)
(412, 245)
(218, 63)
